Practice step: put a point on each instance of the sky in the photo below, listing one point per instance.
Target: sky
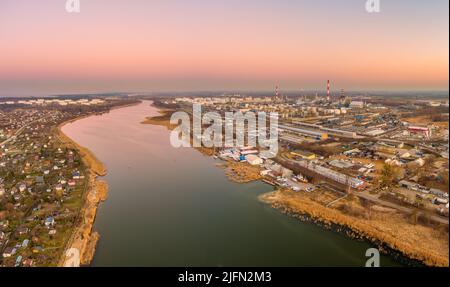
(199, 45)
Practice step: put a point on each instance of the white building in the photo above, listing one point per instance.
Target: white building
(375, 132)
(253, 159)
(357, 104)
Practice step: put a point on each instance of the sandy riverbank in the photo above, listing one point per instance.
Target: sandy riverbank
(83, 238)
(162, 120)
(382, 227)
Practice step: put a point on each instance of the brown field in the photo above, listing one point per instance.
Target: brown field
(426, 120)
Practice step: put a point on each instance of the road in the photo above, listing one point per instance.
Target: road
(366, 195)
(19, 131)
(411, 142)
(301, 185)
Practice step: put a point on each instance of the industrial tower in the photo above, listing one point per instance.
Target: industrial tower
(328, 90)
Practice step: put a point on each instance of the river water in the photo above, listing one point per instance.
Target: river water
(174, 207)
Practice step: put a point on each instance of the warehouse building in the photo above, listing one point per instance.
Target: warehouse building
(310, 133)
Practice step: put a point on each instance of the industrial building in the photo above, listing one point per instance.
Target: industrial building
(253, 159)
(374, 133)
(310, 133)
(333, 175)
(424, 131)
(320, 130)
(339, 133)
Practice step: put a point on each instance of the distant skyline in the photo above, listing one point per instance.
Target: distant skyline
(199, 45)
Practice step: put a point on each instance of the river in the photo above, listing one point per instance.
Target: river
(174, 207)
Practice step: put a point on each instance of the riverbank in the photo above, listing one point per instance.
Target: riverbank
(235, 171)
(83, 238)
(162, 120)
(241, 172)
(381, 227)
(386, 228)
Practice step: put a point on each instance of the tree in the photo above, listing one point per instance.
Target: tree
(387, 176)
(443, 177)
(414, 217)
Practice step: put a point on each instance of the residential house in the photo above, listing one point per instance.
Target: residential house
(25, 243)
(76, 175)
(22, 230)
(22, 187)
(39, 180)
(37, 249)
(49, 221)
(9, 251)
(28, 263)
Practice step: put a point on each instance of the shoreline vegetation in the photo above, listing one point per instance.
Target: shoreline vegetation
(235, 171)
(389, 229)
(83, 237)
(385, 229)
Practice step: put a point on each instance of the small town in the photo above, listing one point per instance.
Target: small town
(43, 182)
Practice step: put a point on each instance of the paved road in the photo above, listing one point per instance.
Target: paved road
(375, 199)
(366, 195)
(19, 131)
(301, 185)
(413, 142)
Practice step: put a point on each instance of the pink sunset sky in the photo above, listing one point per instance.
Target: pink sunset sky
(145, 46)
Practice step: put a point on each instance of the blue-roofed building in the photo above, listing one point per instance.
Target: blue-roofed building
(76, 175)
(50, 221)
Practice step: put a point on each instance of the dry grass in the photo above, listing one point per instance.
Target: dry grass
(429, 245)
(162, 120)
(242, 172)
(426, 120)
